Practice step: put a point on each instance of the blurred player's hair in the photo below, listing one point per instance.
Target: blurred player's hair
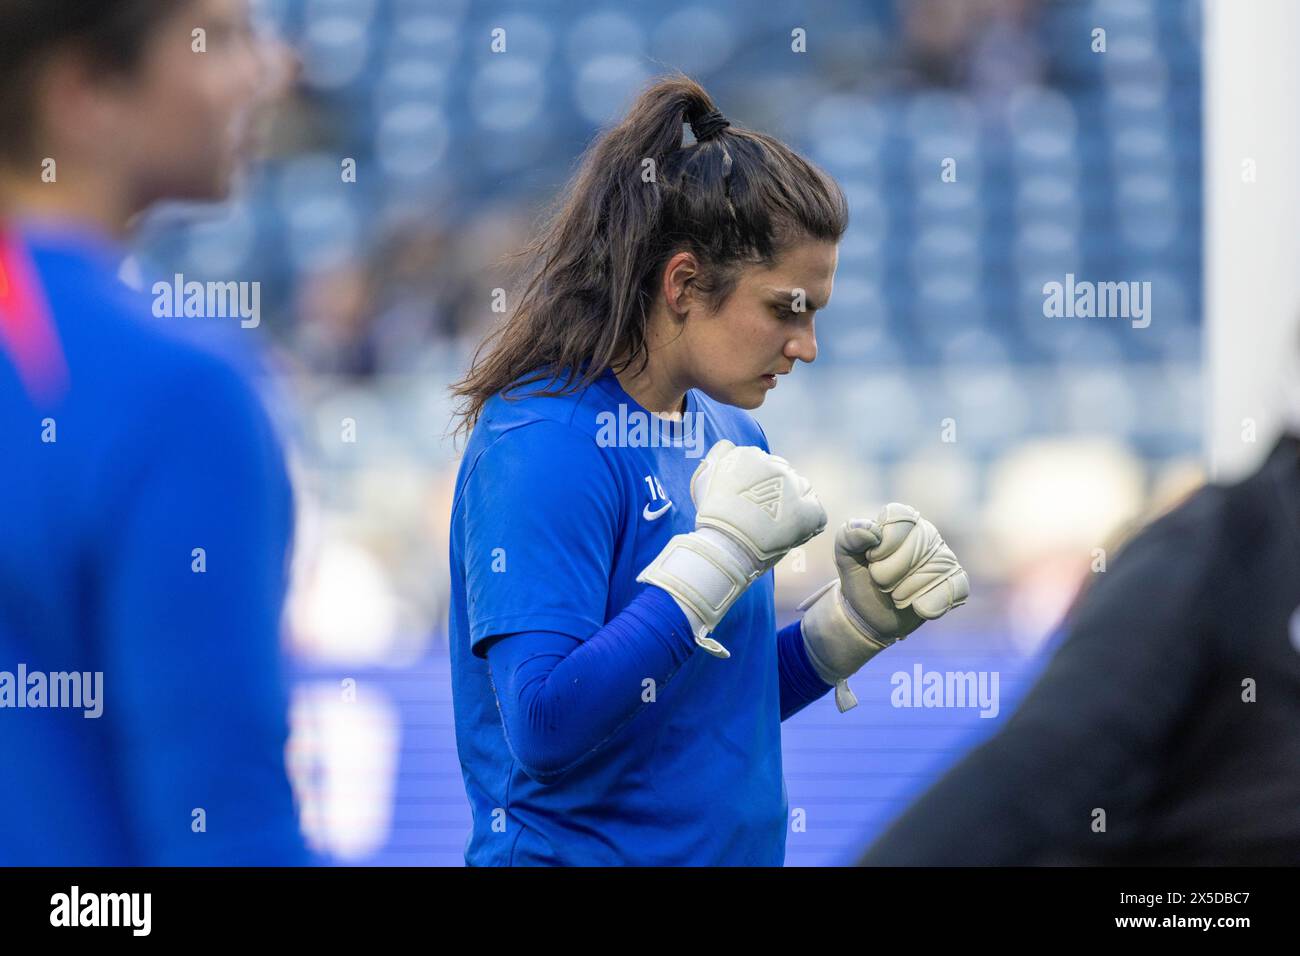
(738, 198)
(112, 34)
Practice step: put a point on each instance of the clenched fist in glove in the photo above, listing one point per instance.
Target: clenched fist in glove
(750, 509)
(894, 573)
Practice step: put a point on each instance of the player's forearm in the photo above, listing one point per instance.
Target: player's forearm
(800, 684)
(561, 703)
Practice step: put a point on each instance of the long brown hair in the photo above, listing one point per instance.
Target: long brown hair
(638, 197)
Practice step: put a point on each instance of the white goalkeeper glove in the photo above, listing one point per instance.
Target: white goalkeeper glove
(750, 509)
(894, 574)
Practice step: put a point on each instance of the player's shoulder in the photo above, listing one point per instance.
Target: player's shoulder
(175, 360)
(115, 348)
(536, 424)
(1187, 560)
(1223, 517)
(189, 384)
(1184, 531)
(1211, 532)
(1255, 494)
(531, 399)
(1251, 512)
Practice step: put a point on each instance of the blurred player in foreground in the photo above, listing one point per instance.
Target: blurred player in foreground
(144, 510)
(594, 555)
(1164, 728)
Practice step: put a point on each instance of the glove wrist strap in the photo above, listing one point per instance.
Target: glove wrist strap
(838, 640)
(705, 572)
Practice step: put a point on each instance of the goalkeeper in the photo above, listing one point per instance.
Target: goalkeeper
(619, 682)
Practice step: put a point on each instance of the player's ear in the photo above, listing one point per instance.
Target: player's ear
(678, 282)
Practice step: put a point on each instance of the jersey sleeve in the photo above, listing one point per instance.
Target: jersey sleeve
(198, 524)
(541, 520)
(562, 699)
(800, 682)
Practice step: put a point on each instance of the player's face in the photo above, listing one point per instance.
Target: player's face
(185, 115)
(758, 334)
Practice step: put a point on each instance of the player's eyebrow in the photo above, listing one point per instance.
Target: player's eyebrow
(787, 295)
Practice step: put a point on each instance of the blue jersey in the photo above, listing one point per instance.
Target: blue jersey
(144, 524)
(559, 504)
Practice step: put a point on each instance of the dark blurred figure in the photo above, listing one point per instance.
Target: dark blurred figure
(145, 515)
(988, 47)
(1164, 730)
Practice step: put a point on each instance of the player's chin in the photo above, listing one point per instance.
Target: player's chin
(212, 184)
(213, 176)
(744, 395)
(750, 397)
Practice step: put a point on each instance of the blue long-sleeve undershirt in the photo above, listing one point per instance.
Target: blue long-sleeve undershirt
(800, 683)
(562, 698)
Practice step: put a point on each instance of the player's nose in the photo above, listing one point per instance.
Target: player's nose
(803, 346)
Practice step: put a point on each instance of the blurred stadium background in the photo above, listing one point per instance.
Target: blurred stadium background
(374, 292)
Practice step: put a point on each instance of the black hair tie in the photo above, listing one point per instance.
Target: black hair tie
(708, 126)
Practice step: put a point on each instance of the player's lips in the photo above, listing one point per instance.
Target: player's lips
(769, 380)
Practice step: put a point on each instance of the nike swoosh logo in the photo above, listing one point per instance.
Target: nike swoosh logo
(652, 515)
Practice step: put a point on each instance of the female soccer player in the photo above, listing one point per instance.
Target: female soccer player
(594, 554)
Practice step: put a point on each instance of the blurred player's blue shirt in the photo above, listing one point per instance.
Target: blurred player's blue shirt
(127, 445)
(551, 524)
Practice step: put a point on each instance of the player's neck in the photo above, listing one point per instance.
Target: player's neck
(81, 196)
(654, 391)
